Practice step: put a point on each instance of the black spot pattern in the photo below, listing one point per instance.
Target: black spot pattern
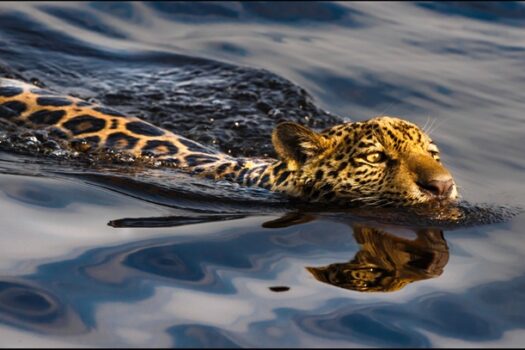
(240, 177)
(229, 176)
(195, 147)
(282, 177)
(53, 101)
(85, 123)
(83, 104)
(240, 164)
(264, 180)
(108, 111)
(196, 159)
(57, 133)
(333, 173)
(327, 187)
(250, 178)
(278, 168)
(159, 148)
(10, 91)
(7, 113)
(342, 166)
(114, 124)
(141, 128)
(119, 140)
(221, 168)
(46, 117)
(12, 109)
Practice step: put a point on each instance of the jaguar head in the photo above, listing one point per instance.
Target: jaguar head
(384, 161)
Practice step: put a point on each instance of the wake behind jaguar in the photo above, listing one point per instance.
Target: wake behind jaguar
(384, 161)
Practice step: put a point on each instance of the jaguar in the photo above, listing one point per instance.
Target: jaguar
(383, 161)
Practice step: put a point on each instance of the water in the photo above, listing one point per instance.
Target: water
(105, 253)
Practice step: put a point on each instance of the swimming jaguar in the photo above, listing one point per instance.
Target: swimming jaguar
(384, 161)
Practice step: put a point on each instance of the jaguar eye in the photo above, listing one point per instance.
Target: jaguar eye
(434, 152)
(435, 155)
(375, 157)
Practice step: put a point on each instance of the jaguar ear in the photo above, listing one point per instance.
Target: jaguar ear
(296, 143)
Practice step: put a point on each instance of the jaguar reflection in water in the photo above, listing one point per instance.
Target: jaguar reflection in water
(385, 262)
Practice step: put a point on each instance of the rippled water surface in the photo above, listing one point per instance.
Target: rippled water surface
(116, 253)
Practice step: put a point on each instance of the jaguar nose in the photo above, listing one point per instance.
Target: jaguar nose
(438, 187)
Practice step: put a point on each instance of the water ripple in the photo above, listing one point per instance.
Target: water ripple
(191, 263)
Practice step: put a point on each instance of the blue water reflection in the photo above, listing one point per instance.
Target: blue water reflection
(83, 19)
(26, 305)
(115, 256)
(64, 296)
(197, 336)
(491, 11)
(120, 9)
(466, 316)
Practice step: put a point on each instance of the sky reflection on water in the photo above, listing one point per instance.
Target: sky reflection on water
(69, 278)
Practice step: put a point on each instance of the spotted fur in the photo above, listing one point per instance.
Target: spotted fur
(382, 161)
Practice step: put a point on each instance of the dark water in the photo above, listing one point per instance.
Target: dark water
(115, 253)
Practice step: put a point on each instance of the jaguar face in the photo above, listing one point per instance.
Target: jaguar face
(384, 161)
